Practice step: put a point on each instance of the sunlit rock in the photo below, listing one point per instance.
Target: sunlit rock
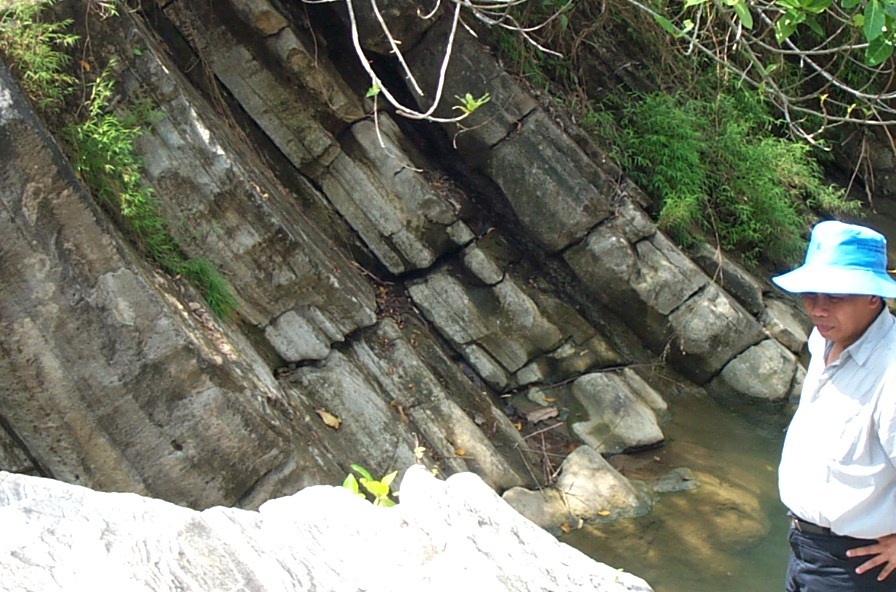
(764, 371)
(622, 413)
(787, 324)
(443, 535)
(642, 282)
(710, 329)
(588, 488)
(730, 276)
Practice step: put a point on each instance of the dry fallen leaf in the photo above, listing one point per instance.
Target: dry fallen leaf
(459, 451)
(566, 528)
(604, 513)
(329, 419)
(542, 413)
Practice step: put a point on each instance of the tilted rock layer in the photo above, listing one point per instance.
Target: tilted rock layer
(393, 285)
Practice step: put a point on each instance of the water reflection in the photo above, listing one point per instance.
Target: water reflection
(727, 534)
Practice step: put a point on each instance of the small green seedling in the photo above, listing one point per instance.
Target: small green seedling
(380, 490)
(468, 104)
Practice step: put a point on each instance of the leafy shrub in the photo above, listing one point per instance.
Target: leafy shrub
(378, 489)
(716, 167)
(35, 49)
(102, 145)
(103, 153)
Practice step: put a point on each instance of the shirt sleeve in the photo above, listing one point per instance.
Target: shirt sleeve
(885, 414)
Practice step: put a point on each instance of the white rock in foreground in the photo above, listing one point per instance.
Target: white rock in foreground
(455, 534)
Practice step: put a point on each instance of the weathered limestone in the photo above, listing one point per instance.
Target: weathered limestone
(588, 488)
(786, 324)
(287, 112)
(387, 200)
(107, 380)
(643, 281)
(470, 71)
(731, 277)
(560, 197)
(554, 189)
(117, 380)
(623, 412)
(442, 535)
(426, 391)
(498, 329)
(764, 371)
(709, 329)
(302, 293)
(158, 397)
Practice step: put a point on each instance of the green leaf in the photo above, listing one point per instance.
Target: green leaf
(388, 479)
(794, 4)
(377, 488)
(373, 91)
(743, 12)
(666, 24)
(363, 472)
(878, 50)
(351, 483)
(874, 22)
(816, 6)
(849, 4)
(786, 25)
(689, 3)
(813, 24)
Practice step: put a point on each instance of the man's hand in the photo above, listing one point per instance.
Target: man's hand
(884, 553)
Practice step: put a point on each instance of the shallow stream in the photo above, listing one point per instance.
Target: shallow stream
(726, 535)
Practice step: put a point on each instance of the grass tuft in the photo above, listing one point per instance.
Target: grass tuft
(102, 144)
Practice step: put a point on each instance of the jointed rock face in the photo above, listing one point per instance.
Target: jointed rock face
(391, 278)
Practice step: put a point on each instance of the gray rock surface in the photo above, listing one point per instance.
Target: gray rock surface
(403, 282)
(443, 535)
(620, 417)
(587, 489)
(764, 371)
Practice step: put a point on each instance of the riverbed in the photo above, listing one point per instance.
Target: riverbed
(727, 534)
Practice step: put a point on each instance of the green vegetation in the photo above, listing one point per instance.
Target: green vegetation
(101, 145)
(716, 167)
(378, 489)
(36, 49)
(716, 162)
(102, 148)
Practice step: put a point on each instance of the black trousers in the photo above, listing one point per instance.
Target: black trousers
(818, 563)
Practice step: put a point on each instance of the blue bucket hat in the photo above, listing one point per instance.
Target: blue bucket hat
(842, 259)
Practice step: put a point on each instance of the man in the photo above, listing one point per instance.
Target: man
(838, 467)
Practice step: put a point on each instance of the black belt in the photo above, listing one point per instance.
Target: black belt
(809, 528)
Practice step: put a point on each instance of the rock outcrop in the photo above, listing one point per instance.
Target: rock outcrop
(443, 535)
(395, 288)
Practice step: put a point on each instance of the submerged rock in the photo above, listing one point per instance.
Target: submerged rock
(588, 488)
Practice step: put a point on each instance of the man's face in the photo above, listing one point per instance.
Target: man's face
(841, 318)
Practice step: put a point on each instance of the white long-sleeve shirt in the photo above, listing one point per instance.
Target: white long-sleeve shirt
(838, 466)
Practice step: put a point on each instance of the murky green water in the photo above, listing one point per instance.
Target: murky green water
(728, 534)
